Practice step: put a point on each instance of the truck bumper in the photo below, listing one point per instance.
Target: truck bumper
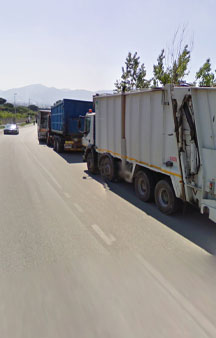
(73, 146)
(42, 135)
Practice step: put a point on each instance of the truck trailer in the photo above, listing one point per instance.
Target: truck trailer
(43, 124)
(64, 132)
(162, 140)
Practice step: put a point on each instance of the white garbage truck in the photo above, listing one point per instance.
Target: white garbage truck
(163, 140)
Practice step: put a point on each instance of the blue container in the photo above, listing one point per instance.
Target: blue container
(65, 116)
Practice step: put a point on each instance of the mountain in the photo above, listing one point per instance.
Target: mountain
(44, 96)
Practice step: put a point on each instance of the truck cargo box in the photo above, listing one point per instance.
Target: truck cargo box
(147, 121)
(65, 114)
(43, 124)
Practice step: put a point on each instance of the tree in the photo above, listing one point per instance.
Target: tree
(173, 73)
(161, 75)
(204, 75)
(176, 59)
(8, 106)
(33, 107)
(180, 65)
(133, 75)
(2, 101)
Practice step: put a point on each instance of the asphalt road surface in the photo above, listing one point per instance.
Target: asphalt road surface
(80, 258)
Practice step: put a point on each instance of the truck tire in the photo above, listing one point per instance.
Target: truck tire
(48, 142)
(54, 144)
(144, 186)
(59, 146)
(107, 169)
(91, 163)
(165, 198)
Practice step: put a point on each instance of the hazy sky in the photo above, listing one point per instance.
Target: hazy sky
(83, 44)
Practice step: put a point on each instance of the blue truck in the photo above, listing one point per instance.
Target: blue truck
(64, 131)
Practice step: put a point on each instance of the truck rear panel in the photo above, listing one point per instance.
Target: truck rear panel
(65, 115)
(43, 124)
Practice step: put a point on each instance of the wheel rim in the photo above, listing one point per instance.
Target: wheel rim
(163, 197)
(106, 168)
(142, 187)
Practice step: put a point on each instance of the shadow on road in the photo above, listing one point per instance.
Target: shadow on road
(72, 157)
(188, 223)
(42, 143)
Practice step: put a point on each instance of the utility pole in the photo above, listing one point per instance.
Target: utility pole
(15, 107)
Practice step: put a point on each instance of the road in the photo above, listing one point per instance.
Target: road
(85, 259)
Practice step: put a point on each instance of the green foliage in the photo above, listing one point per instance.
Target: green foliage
(8, 106)
(33, 107)
(133, 75)
(205, 77)
(179, 69)
(7, 113)
(22, 110)
(161, 76)
(2, 101)
(173, 73)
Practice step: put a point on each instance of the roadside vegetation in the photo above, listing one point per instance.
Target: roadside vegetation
(23, 114)
(172, 66)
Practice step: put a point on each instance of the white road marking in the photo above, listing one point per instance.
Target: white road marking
(49, 174)
(107, 239)
(78, 207)
(44, 169)
(196, 315)
(67, 195)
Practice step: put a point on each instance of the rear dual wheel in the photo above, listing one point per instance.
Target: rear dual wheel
(144, 186)
(165, 198)
(54, 144)
(48, 141)
(162, 192)
(58, 146)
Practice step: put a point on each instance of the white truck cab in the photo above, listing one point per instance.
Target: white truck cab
(89, 130)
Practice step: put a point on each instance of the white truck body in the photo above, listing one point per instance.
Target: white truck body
(171, 131)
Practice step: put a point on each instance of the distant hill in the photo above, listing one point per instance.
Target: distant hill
(44, 96)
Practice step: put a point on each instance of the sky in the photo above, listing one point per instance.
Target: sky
(83, 44)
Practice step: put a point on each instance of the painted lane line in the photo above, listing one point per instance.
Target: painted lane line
(45, 170)
(48, 174)
(197, 316)
(107, 239)
(78, 207)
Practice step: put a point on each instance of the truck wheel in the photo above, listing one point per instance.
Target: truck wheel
(55, 144)
(144, 186)
(59, 147)
(48, 142)
(91, 163)
(107, 168)
(165, 198)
